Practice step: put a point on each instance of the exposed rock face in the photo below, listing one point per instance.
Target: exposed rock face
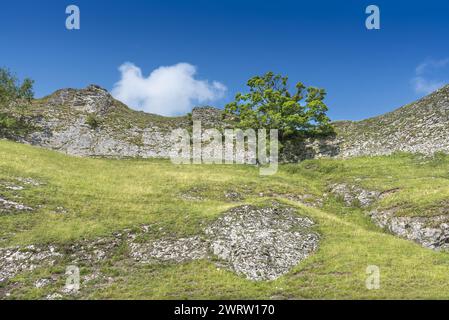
(93, 99)
(208, 116)
(420, 127)
(429, 231)
(298, 150)
(354, 195)
(258, 243)
(172, 250)
(62, 123)
(15, 260)
(262, 243)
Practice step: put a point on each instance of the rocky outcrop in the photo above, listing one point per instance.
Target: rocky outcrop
(90, 122)
(419, 127)
(353, 195)
(262, 243)
(209, 117)
(64, 124)
(15, 260)
(429, 231)
(258, 243)
(170, 250)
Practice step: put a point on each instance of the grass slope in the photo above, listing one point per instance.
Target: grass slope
(101, 196)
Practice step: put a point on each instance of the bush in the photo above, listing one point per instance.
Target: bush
(93, 122)
(11, 126)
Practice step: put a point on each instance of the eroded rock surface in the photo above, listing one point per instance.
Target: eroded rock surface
(174, 250)
(15, 260)
(262, 243)
(258, 243)
(431, 232)
(7, 206)
(354, 195)
(60, 122)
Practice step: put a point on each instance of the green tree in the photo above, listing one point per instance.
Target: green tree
(11, 90)
(269, 104)
(15, 97)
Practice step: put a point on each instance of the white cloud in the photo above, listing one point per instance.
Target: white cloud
(168, 90)
(426, 73)
(423, 85)
(430, 65)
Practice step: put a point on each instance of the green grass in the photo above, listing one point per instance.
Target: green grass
(103, 195)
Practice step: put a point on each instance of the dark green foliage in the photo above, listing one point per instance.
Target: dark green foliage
(93, 121)
(270, 105)
(11, 90)
(11, 126)
(15, 98)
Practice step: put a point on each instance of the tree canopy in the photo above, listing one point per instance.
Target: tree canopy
(12, 90)
(269, 104)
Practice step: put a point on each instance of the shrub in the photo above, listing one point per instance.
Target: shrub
(93, 122)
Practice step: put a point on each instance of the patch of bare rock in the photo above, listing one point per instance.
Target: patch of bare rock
(262, 243)
(354, 195)
(429, 231)
(258, 243)
(176, 250)
(7, 206)
(15, 260)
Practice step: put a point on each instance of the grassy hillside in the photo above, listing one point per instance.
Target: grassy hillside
(79, 199)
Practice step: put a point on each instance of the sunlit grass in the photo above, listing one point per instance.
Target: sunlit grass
(101, 196)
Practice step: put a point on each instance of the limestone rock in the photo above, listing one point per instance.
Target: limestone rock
(60, 123)
(262, 243)
(258, 243)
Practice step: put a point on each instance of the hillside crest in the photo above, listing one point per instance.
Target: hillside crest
(90, 122)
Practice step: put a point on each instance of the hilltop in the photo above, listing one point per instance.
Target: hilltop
(90, 122)
(419, 127)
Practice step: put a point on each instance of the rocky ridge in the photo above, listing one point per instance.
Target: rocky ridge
(90, 122)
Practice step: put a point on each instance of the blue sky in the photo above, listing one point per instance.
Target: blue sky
(321, 43)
